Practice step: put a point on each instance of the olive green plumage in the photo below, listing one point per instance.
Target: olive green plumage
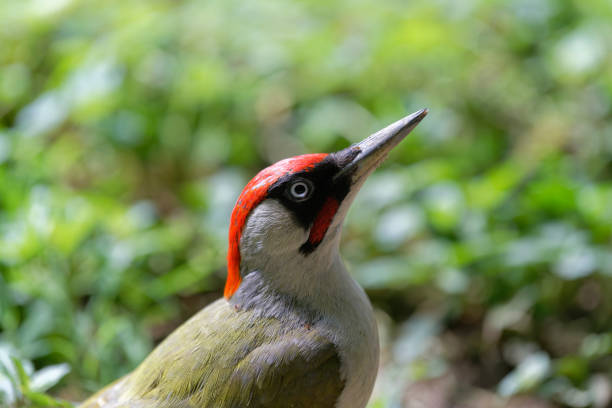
(228, 358)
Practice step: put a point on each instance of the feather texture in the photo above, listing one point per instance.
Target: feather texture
(227, 358)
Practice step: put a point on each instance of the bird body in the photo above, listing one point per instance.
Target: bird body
(294, 329)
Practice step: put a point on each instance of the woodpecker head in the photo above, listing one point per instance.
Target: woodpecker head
(288, 218)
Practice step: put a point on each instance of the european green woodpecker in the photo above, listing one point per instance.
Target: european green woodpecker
(293, 329)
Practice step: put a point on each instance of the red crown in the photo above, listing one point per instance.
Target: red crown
(254, 193)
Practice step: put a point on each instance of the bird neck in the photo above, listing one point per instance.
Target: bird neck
(307, 285)
(324, 296)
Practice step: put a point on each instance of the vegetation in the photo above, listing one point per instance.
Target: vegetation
(128, 128)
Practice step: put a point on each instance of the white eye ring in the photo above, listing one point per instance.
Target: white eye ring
(300, 190)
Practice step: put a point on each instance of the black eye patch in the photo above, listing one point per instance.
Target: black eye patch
(321, 178)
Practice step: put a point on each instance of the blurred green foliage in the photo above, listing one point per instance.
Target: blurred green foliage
(128, 128)
(20, 385)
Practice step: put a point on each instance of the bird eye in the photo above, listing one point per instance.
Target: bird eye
(300, 190)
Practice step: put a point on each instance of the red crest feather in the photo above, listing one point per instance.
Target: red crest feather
(253, 194)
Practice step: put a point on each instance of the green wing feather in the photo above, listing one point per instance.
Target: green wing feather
(224, 358)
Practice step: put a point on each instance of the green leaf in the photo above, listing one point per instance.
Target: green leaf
(24, 380)
(40, 399)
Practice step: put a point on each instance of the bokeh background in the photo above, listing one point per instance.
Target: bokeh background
(128, 128)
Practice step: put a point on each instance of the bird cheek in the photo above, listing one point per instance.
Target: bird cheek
(320, 225)
(323, 220)
(271, 229)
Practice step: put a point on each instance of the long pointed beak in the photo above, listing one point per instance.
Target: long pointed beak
(362, 158)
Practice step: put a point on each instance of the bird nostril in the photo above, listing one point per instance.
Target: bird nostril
(346, 156)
